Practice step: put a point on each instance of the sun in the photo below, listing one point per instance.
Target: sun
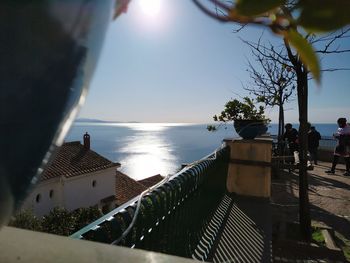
(150, 7)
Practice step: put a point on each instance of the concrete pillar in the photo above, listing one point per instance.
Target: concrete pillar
(249, 172)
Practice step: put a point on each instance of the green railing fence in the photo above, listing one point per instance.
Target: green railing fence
(172, 217)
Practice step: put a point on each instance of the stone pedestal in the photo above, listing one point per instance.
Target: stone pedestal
(249, 172)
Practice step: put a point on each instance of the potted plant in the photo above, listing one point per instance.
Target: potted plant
(248, 118)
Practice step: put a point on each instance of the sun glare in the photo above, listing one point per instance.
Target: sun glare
(150, 7)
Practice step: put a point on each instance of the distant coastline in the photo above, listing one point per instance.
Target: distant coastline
(101, 121)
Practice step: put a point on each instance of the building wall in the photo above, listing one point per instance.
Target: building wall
(44, 197)
(71, 193)
(79, 191)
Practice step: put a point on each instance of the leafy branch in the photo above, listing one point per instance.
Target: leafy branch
(285, 18)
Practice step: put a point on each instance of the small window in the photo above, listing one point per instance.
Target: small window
(94, 183)
(38, 198)
(51, 193)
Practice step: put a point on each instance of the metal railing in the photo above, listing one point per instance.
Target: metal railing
(171, 217)
(326, 142)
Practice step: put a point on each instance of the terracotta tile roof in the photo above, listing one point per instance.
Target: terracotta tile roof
(72, 159)
(150, 181)
(126, 188)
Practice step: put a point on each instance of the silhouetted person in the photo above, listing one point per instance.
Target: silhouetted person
(314, 138)
(291, 135)
(343, 147)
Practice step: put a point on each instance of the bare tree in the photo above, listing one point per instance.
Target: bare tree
(286, 58)
(273, 80)
(328, 44)
(302, 61)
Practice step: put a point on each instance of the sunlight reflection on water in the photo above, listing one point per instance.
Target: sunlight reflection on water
(151, 126)
(147, 149)
(148, 152)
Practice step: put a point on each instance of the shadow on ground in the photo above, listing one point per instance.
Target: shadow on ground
(328, 199)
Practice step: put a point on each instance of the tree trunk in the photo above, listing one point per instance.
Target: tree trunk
(280, 128)
(282, 119)
(280, 123)
(304, 208)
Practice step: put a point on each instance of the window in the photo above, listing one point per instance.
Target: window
(51, 193)
(38, 198)
(94, 183)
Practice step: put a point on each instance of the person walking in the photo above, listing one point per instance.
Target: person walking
(314, 138)
(343, 146)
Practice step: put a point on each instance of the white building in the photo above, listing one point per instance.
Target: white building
(76, 177)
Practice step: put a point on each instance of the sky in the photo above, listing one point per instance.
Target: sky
(172, 63)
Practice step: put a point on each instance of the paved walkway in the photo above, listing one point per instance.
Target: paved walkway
(329, 197)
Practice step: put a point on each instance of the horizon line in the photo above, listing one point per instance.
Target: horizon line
(82, 120)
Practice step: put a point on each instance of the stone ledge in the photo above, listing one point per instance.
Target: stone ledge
(18, 245)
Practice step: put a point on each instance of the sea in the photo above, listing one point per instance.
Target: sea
(147, 149)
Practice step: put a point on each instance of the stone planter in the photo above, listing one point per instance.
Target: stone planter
(249, 172)
(249, 129)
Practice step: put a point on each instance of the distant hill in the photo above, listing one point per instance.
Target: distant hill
(102, 121)
(91, 120)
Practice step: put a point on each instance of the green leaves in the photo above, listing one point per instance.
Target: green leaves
(59, 221)
(305, 51)
(324, 15)
(248, 109)
(256, 7)
(26, 220)
(284, 17)
(241, 110)
(315, 15)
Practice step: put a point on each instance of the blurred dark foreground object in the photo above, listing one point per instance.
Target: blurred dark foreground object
(48, 51)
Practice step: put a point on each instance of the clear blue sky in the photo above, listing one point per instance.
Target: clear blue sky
(182, 66)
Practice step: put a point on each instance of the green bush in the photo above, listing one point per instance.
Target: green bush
(26, 220)
(59, 221)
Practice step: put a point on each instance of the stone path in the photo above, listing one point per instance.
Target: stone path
(329, 197)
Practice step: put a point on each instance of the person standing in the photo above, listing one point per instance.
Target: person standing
(343, 147)
(314, 138)
(291, 135)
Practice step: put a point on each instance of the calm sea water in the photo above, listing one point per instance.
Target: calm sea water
(146, 149)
